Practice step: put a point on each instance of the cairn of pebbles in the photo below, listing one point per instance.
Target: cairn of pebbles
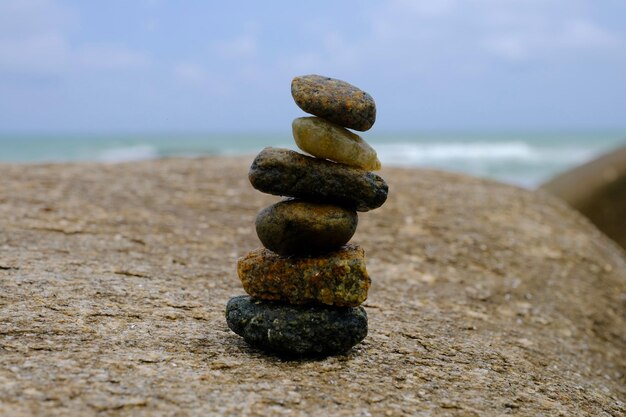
(306, 286)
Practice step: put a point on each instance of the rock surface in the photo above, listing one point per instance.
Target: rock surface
(334, 100)
(296, 330)
(336, 278)
(298, 227)
(324, 139)
(486, 300)
(598, 190)
(288, 173)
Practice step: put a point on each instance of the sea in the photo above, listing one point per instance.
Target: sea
(523, 159)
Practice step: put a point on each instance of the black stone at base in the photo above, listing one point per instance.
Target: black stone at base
(292, 330)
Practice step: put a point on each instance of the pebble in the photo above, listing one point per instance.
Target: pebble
(296, 330)
(334, 100)
(336, 278)
(324, 139)
(294, 227)
(288, 173)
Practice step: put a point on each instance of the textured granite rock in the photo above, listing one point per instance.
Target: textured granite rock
(335, 278)
(597, 189)
(296, 330)
(288, 173)
(334, 100)
(294, 227)
(324, 139)
(488, 300)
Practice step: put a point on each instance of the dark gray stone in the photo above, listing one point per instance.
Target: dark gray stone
(295, 227)
(288, 173)
(296, 330)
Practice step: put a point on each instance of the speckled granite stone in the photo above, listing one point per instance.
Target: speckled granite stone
(336, 278)
(334, 100)
(296, 330)
(288, 173)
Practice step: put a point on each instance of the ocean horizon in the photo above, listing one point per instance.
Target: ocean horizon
(520, 158)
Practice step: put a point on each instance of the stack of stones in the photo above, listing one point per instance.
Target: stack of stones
(307, 284)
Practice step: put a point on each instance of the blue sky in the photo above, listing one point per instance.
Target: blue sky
(215, 66)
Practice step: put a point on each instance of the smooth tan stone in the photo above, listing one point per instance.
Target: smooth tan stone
(324, 139)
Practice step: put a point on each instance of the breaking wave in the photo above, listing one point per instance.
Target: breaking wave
(426, 153)
(128, 154)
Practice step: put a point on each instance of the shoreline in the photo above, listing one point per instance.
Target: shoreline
(515, 158)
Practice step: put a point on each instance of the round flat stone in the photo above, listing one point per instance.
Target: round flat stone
(296, 330)
(294, 227)
(324, 139)
(336, 278)
(334, 100)
(288, 173)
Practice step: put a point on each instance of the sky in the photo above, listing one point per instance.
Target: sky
(226, 66)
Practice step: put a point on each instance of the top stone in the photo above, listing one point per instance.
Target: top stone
(334, 100)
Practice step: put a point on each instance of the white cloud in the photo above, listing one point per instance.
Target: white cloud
(226, 66)
(426, 8)
(31, 38)
(334, 55)
(39, 54)
(575, 35)
(241, 47)
(109, 57)
(584, 34)
(199, 78)
(454, 34)
(51, 54)
(151, 24)
(301, 62)
(191, 74)
(429, 40)
(22, 18)
(508, 46)
(34, 41)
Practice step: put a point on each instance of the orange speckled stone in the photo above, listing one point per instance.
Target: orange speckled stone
(334, 100)
(337, 278)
